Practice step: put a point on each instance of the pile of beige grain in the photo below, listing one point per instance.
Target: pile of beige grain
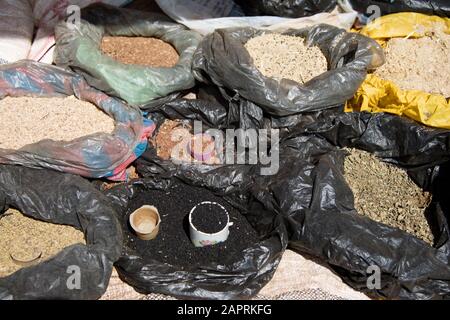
(27, 120)
(286, 57)
(172, 139)
(23, 239)
(419, 64)
(386, 194)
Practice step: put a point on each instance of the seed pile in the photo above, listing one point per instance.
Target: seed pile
(386, 194)
(171, 142)
(173, 245)
(279, 56)
(150, 52)
(28, 120)
(171, 138)
(131, 175)
(209, 218)
(419, 64)
(25, 239)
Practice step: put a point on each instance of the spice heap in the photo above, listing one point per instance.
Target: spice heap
(150, 52)
(132, 174)
(25, 239)
(207, 218)
(286, 57)
(173, 245)
(31, 120)
(419, 64)
(386, 194)
(175, 141)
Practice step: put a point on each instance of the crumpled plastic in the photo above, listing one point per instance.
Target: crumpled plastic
(430, 7)
(405, 24)
(62, 199)
(94, 156)
(207, 16)
(241, 280)
(379, 95)
(327, 226)
(16, 30)
(315, 202)
(286, 8)
(79, 49)
(222, 61)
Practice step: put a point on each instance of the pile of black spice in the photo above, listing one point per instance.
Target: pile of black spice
(173, 245)
(209, 218)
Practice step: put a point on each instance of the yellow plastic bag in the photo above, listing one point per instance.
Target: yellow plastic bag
(405, 24)
(378, 95)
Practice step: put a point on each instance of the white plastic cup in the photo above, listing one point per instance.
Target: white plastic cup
(203, 239)
(145, 222)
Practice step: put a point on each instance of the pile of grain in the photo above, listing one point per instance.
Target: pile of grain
(132, 174)
(25, 238)
(386, 194)
(279, 56)
(419, 64)
(28, 120)
(171, 139)
(150, 52)
(171, 143)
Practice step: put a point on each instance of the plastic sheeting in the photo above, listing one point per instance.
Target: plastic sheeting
(70, 200)
(378, 95)
(405, 24)
(16, 30)
(242, 279)
(327, 226)
(310, 193)
(349, 56)
(95, 156)
(207, 16)
(287, 8)
(79, 48)
(431, 7)
(46, 14)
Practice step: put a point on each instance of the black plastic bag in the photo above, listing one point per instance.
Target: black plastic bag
(326, 225)
(242, 279)
(62, 199)
(223, 61)
(286, 8)
(431, 7)
(233, 182)
(311, 194)
(211, 114)
(79, 49)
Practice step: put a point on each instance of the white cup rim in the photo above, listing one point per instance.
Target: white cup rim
(214, 203)
(146, 206)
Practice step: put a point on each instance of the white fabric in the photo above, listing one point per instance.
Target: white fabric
(205, 16)
(16, 30)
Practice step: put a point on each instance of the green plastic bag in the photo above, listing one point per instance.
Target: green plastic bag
(78, 47)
